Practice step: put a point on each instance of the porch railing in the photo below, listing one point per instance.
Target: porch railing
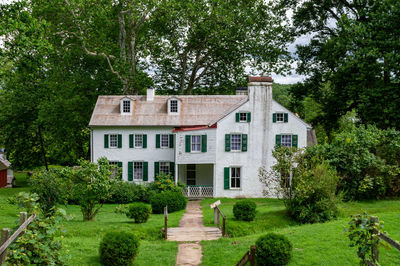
(198, 191)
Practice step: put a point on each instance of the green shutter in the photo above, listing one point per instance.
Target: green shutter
(171, 140)
(244, 142)
(105, 141)
(188, 143)
(285, 117)
(227, 142)
(294, 140)
(119, 141)
(204, 143)
(249, 117)
(144, 141)
(130, 171)
(274, 117)
(172, 168)
(158, 141)
(156, 169)
(226, 178)
(130, 140)
(237, 117)
(278, 140)
(145, 171)
(119, 164)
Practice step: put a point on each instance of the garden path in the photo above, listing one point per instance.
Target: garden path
(191, 229)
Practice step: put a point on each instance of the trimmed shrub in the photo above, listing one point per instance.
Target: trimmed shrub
(273, 249)
(118, 248)
(245, 210)
(174, 200)
(125, 192)
(138, 211)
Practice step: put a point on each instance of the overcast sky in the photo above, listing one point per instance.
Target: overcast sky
(289, 79)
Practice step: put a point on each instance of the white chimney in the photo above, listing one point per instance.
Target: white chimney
(150, 94)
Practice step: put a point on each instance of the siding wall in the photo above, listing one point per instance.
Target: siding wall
(183, 157)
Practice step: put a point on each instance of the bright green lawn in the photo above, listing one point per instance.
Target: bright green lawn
(313, 244)
(82, 238)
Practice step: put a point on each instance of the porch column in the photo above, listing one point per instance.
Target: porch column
(176, 174)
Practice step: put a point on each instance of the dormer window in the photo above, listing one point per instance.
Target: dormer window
(173, 107)
(126, 106)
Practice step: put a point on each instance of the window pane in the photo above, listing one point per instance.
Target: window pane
(173, 106)
(236, 141)
(286, 140)
(164, 141)
(126, 106)
(243, 117)
(279, 117)
(138, 170)
(113, 141)
(196, 143)
(164, 167)
(138, 141)
(235, 177)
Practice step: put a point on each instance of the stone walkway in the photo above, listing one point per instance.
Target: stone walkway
(191, 229)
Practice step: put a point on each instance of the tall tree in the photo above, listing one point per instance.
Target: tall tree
(351, 60)
(198, 44)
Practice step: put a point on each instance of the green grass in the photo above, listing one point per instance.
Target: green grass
(313, 244)
(82, 239)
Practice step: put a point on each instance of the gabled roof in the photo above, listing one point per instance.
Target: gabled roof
(195, 110)
(4, 163)
(298, 118)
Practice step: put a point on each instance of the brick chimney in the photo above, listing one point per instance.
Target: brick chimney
(150, 94)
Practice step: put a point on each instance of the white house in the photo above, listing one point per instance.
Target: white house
(214, 144)
(6, 173)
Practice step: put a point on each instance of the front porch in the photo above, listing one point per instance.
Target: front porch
(198, 178)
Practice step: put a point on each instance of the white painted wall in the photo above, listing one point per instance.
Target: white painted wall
(150, 154)
(183, 157)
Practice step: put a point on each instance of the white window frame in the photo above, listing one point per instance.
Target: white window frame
(173, 106)
(115, 170)
(197, 144)
(135, 145)
(161, 141)
(240, 144)
(110, 142)
(231, 172)
(278, 114)
(240, 117)
(164, 164)
(169, 106)
(137, 165)
(289, 143)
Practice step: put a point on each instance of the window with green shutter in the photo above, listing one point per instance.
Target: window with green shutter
(130, 140)
(237, 117)
(286, 117)
(243, 117)
(274, 117)
(119, 164)
(119, 141)
(158, 141)
(130, 171)
(145, 171)
(188, 143)
(227, 142)
(204, 143)
(248, 117)
(172, 168)
(105, 141)
(226, 178)
(244, 142)
(156, 169)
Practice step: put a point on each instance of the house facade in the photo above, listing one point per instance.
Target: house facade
(214, 144)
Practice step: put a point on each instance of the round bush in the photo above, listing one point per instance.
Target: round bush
(174, 200)
(139, 211)
(273, 249)
(119, 248)
(245, 210)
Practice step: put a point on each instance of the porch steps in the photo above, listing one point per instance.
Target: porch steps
(183, 234)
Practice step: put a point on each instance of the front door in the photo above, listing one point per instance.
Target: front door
(3, 178)
(191, 175)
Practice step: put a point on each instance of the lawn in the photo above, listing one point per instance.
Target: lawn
(82, 239)
(313, 244)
